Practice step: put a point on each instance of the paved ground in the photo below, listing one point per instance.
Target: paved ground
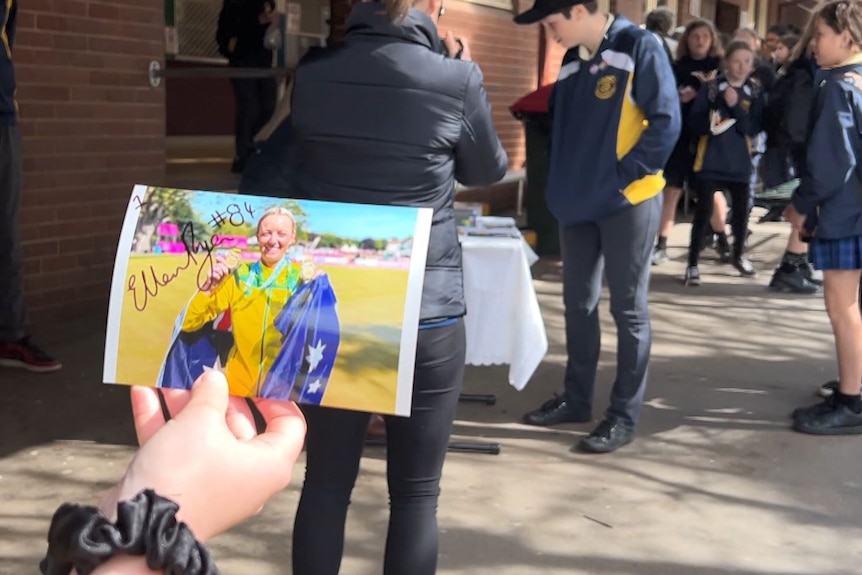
(715, 483)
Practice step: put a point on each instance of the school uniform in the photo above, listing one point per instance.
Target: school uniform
(614, 123)
(830, 190)
(723, 156)
(688, 73)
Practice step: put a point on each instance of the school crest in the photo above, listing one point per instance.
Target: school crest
(606, 87)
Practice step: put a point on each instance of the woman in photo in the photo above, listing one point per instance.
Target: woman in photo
(238, 313)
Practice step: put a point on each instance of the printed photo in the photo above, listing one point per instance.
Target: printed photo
(314, 302)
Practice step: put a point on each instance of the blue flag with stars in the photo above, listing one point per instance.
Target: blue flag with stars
(311, 335)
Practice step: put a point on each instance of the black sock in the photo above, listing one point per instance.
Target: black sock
(661, 244)
(853, 402)
(793, 258)
(721, 240)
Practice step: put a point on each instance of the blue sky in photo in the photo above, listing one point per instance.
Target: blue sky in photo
(355, 221)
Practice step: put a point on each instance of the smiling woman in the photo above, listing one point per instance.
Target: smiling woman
(253, 297)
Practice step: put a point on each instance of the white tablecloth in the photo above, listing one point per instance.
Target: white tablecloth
(504, 323)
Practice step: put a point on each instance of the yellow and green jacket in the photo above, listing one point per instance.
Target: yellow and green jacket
(253, 295)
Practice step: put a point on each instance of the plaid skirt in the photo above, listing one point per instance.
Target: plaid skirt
(839, 254)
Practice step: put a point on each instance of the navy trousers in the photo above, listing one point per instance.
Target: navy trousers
(621, 246)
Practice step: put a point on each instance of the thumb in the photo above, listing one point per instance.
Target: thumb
(210, 392)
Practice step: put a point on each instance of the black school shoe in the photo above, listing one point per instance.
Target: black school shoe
(839, 420)
(555, 411)
(607, 437)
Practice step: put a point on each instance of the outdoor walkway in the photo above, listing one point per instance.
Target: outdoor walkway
(716, 483)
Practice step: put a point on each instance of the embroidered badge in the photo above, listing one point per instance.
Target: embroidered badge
(606, 87)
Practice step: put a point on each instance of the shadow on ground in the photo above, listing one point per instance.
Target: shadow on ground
(716, 482)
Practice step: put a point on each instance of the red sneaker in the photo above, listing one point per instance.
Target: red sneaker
(24, 354)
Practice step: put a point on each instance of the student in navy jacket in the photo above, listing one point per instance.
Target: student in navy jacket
(698, 60)
(725, 116)
(827, 206)
(615, 119)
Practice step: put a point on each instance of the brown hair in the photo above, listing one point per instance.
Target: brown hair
(751, 33)
(736, 46)
(715, 49)
(840, 15)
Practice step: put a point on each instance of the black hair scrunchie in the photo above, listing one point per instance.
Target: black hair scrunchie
(82, 538)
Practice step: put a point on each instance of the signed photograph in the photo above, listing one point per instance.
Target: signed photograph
(314, 302)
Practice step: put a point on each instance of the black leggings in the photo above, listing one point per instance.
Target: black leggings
(416, 448)
(739, 206)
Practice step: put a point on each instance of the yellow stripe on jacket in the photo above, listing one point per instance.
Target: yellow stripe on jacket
(256, 340)
(633, 124)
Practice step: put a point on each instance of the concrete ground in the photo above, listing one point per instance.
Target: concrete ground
(716, 483)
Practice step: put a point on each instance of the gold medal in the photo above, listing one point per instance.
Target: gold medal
(232, 260)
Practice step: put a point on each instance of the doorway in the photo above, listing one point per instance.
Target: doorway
(726, 17)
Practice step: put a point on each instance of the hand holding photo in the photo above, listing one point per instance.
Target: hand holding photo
(315, 302)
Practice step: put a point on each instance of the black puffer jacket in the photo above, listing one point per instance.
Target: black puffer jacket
(386, 119)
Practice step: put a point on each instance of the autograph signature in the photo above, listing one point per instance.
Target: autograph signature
(198, 253)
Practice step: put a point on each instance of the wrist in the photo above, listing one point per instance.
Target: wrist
(146, 532)
(126, 565)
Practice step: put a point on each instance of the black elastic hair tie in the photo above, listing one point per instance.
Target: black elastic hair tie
(82, 538)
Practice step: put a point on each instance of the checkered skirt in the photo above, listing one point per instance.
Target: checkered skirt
(838, 254)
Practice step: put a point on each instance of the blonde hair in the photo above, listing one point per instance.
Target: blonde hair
(398, 9)
(277, 211)
(715, 48)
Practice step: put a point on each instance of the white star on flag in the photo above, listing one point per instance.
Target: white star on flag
(314, 386)
(217, 366)
(315, 354)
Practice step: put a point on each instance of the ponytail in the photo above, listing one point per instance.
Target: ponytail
(397, 9)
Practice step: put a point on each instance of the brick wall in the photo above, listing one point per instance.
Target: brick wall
(92, 127)
(509, 57)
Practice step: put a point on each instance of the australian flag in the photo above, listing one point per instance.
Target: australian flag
(311, 335)
(191, 353)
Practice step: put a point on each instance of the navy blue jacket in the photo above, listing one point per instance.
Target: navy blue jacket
(615, 121)
(385, 118)
(830, 190)
(8, 107)
(725, 155)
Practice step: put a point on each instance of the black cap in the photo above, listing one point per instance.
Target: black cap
(544, 8)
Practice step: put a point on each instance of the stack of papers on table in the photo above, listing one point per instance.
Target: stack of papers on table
(492, 226)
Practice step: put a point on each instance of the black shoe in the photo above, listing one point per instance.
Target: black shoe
(659, 256)
(815, 410)
(723, 252)
(555, 411)
(839, 420)
(607, 437)
(792, 281)
(810, 273)
(692, 276)
(744, 266)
